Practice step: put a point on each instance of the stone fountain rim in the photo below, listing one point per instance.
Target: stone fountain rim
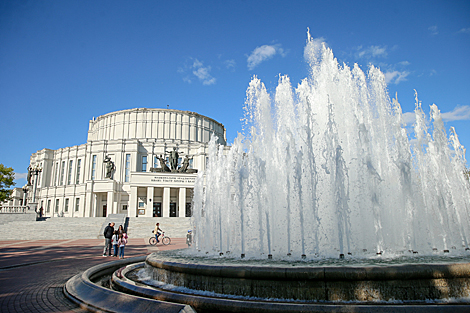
(313, 273)
(223, 304)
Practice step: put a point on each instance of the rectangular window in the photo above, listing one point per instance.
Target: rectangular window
(156, 163)
(77, 175)
(144, 163)
(93, 168)
(66, 207)
(124, 207)
(69, 182)
(62, 170)
(56, 179)
(191, 163)
(57, 205)
(77, 204)
(127, 168)
(52, 183)
(48, 209)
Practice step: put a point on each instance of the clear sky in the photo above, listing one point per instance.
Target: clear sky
(64, 62)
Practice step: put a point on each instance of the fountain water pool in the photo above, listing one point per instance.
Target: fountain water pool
(328, 169)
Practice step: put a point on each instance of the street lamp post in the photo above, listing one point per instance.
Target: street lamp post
(35, 170)
(25, 192)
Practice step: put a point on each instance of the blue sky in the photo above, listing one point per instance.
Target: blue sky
(64, 62)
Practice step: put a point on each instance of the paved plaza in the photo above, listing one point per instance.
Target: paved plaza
(33, 272)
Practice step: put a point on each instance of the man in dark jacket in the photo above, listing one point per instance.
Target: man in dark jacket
(108, 234)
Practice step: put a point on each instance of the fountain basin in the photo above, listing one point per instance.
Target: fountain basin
(363, 284)
(85, 290)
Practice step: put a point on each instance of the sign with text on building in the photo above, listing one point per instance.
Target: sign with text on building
(173, 179)
(163, 180)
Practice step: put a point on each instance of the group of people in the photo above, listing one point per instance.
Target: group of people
(116, 239)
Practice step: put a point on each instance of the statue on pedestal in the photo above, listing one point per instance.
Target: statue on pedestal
(174, 155)
(185, 165)
(110, 167)
(163, 164)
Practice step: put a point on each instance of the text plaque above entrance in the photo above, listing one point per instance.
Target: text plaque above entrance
(173, 180)
(146, 179)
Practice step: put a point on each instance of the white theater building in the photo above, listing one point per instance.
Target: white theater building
(78, 181)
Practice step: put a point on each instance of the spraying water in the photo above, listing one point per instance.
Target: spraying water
(328, 169)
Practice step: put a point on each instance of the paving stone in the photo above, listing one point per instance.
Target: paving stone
(33, 272)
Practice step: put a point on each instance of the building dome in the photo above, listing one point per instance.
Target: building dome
(163, 124)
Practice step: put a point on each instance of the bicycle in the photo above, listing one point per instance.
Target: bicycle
(163, 239)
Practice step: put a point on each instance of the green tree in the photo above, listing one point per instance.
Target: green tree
(7, 177)
(467, 174)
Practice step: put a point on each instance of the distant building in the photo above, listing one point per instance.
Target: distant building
(16, 198)
(119, 169)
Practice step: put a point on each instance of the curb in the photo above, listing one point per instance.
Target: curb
(90, 296)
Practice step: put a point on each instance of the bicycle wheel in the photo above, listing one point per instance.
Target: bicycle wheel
(152, 241)
(166, 241)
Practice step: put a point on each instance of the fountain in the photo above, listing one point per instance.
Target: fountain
(328, 169)
(326, 198)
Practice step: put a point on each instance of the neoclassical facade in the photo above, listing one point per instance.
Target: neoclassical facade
(140, 162)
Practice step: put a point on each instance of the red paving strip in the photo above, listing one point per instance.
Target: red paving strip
(33, 272)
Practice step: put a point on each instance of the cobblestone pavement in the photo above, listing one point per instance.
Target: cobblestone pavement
(33, 272)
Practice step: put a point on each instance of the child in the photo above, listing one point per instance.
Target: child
(122, 244)
(115, 240)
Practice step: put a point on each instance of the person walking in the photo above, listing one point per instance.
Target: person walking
(115, 240)
(122, 244)
(108, 235)
(189, 238)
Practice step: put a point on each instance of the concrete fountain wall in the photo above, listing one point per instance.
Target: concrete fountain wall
(413, 282)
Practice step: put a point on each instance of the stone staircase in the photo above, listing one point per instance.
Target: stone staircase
(90, 228)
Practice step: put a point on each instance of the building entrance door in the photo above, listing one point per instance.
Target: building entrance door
(157, 209)
(188, 210)
(173, 209)
(104, 210)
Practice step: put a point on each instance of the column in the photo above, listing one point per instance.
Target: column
(132, 209)
(182, 202)
(166, 202)
(94, 212)
(110, 203)
(150, 193)
(88, 205)
(117, 200)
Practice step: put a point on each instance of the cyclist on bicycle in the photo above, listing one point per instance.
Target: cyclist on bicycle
(157, 231)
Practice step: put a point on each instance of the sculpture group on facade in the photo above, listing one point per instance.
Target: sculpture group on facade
(173, 160)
